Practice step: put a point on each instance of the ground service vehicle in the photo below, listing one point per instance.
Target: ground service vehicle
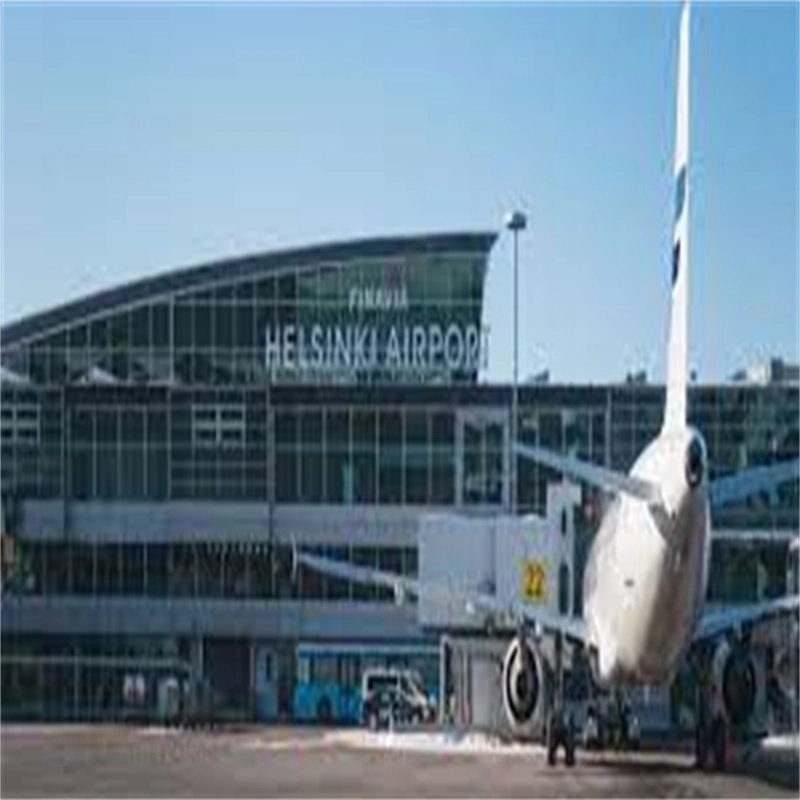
(395, 694)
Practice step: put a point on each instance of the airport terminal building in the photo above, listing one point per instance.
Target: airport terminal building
(166, 442)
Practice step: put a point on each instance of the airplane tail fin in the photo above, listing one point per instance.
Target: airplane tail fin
(675, 411)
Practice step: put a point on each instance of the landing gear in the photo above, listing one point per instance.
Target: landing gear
(626, 724)
(711, 727)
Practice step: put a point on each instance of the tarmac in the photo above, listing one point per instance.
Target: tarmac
(254, 761)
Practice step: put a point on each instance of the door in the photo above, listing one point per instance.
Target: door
(266, 683)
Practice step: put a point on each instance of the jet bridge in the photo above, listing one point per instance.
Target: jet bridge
(528, 558)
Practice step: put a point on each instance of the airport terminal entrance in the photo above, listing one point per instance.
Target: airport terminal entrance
(226, 666)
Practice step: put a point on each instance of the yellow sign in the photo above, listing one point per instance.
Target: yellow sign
(534, 581)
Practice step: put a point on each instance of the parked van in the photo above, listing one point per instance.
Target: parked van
(396, 694)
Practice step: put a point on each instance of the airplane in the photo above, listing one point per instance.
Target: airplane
(647, 570)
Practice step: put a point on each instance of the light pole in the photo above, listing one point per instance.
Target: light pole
(515, 221)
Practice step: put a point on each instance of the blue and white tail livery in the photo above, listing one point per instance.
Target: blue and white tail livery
(675, 410)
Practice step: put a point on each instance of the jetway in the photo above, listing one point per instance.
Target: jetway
(528, 559)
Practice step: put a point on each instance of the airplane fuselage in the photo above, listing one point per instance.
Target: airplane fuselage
(647, 570)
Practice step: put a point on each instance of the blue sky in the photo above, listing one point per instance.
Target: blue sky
(138, 138)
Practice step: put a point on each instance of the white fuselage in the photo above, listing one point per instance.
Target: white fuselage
(646, 573)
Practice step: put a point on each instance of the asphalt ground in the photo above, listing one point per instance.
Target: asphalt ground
(126, 761)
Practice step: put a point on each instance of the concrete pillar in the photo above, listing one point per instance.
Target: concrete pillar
(444, 646)
(76, 686)
(485, 688)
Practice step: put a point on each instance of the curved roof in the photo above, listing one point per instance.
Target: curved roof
(181, 279)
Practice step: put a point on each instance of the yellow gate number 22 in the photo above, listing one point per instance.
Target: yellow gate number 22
(534, 581)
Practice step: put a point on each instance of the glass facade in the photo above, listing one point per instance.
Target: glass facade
(401, 310)
(411, 446)
(194, 570)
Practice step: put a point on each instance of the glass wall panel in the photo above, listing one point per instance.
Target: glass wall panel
(183, 325)
(78, 336)
(119, 331)
(98, 337)
(340, 479)
(132, 569)
(203, 332)
(286, 468)
(108, 569)
(157, 473)
(106, 477)
(443, 476)
(82, 473)
(82, 426)
(160, 322)
(286, 427)
(311, 476)
(209, 569)
(82, 568)
(416, 475)
(57, 568)
(140, 326)
(132, 473)
(261, 572)
(107, 432)
(157, 569)
(390, 475)
(245, 319)
(236, 583)
(337, 429)
(133, 425)
(390, 457)
(224, 326)
(311, 428)
(182, 572)
(287, 288)
(364, 476)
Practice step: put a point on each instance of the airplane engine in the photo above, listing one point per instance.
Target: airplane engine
(525, 683)
(740, 682)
